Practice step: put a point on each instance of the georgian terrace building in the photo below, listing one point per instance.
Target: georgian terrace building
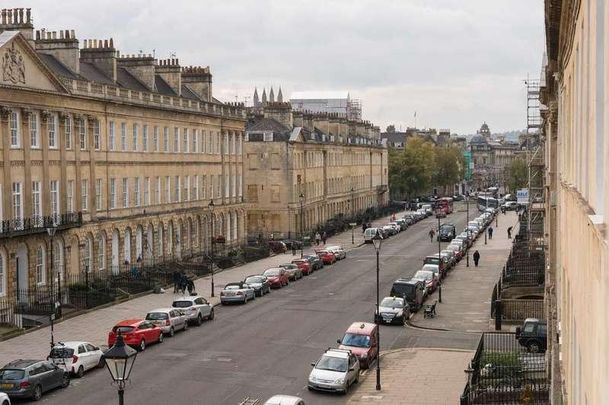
(123, 154)
(304, 168)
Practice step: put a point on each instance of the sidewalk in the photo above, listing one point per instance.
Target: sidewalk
(94, 325)
(415, 377)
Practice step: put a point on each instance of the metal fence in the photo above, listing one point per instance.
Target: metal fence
(520, 309)
(503, 372)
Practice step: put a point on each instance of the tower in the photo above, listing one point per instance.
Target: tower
(256, 98)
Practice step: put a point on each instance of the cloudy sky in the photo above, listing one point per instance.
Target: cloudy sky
(456, 63)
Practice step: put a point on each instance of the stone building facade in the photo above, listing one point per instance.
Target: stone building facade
(303, 169)
(122, 154)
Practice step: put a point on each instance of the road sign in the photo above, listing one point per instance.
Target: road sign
(522, 196)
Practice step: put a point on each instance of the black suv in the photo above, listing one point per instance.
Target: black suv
(413, 291)
(447, 232)
(533, 335)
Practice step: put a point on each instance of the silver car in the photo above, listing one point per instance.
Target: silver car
(237, 292)
(335, 371)
(338, 251)
(196, 308)
(293, 271)
(169, 320)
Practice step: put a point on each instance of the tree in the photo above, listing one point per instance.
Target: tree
(449, 166)
(517, 175)
(411, 170)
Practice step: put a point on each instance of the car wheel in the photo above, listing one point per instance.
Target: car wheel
(199, 320)
(403, 320)
(185, 326)
(346, 388)
(211, 315)
(533, 347)
(37, 394)
(161, 338)
(172, 332)
(142, 345)
(80, 372)
(65, 380)
(356, 381)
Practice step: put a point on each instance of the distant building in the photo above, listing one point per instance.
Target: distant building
(327, 102)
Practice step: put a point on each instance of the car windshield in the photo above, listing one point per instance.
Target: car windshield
(157, 316)
(232, 287)
(447, 228)
(392, 303)
(431, 267)
(351, 339)
(289, 266)
(401, 289)
(432, 260)
(271, 272)
(332, 364)
(251, 280)
(11, 374)
(123, 329)
(423, 274)
(61, 353)
(181, 304)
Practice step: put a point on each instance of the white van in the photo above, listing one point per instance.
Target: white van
(369, 233)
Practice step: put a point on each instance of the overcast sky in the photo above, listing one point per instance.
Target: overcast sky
(456, 63)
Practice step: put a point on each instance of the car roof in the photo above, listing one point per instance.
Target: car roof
(129, 322)
(404, 281)
(424, 271)
(392, 298)
(162, 310)
(73, 344)
(275, 268)
(361, 328)
(21, 364)
(283, 400)
(187, 298)
(338, 352)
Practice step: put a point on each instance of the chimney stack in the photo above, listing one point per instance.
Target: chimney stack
(198, 79)
(140, 66)
(170, 71)
(18, 19)
(64, 48)
(101, 54)
(281, 112)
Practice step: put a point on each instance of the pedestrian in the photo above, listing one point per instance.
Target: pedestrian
(476, 258)
(431, 235)
(509, 232)
(317, 238)
(363, 227)
(490, 232)
(176, 281)
(183, 283)
(324, 238)
(190, 285)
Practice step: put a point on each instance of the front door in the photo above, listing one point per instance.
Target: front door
(21, 264)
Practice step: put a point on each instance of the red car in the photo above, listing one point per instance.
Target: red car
(137, 333)
(326, 256)
(303, 265)
(277, 277)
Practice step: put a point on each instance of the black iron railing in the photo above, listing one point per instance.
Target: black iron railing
(38, 224)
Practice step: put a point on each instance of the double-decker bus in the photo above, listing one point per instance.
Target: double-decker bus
(487, 201)
(445, 204)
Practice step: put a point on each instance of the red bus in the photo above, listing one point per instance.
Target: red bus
(445, 204)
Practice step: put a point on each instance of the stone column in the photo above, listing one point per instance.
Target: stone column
(6, 178)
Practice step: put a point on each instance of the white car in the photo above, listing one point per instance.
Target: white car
(335, 371)
(169, 320)
(284, 400)
(338, 251)
(196, 308)
(4, 399)
(76, 357)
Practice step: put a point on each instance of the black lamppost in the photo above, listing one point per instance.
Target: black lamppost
(301, 197)
(213, 242)
(54, 304)
(466, 227)
(439, 261)
(119, 361)
(377, 241)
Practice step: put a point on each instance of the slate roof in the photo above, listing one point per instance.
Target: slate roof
(57, 67)
(267, 124)
(188, 93)
(162, 87)
(89, 72)
(128, 81)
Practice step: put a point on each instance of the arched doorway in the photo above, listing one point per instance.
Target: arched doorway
(161, 251)
(127, 247)
(115, 252)
(21, 264)
(139, 243)
(149, 245)
(170, 239)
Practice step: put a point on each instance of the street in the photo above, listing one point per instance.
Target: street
(266, 347)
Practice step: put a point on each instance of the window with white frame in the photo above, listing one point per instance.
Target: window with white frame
(40, 271)
(226, 185)
(195, 141)
(52, 130)
(87, 254)
(167, 189)
(84, 194)
(195, 188)
(17, 205)
(96, 135)
(2, 275)
(203, 187)
(157, 191)
(111, 140)
(212, 186)
(36, 203)
(125, 192)
(185, 145)
(239, 186)
(82, 131)
(165, 139)
(58, 259)
(112, 193)
(155, 138)
(186, 188)
(70, 196)
(123, 136)
(176, 139)
(98, 195)
(68, 131)
(34, 132)
(135, 136)
(145, 138)
(101, 253)
(136, 192)
(177, 189)
(226, 150)
(54, 186)
(13, 124)
(146, 191)
(219, 186)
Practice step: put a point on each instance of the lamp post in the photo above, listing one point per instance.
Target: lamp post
(119, 361)
(439, 260)
(301, 197)
(51, 231)
(467, 216)
(377, 241)
(213, 242)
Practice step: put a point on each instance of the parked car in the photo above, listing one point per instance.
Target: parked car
(402, 223)
(196, 308)
(137, 333)
(326, 256)
(441, 262)
(278, 246)
(393, 310)
(277, 277)
(237, 292)
(433, 268)
(304, 265)
(32, 378)
(457, 249)
(4, 399)
(396, 226)
(428, 209)
(389, 230)
(370, 233)
(259, 283)
(338, 251)
(413, 291)
(316, 262)
(447, 232)
(335, 371)
(76, 357)
(510, 206)
(428, 278)
(291, 243)
(360, 339)
(293, 271)
(474, 230)
(533, 335)
(450, 256)
(169, 320)
(284, 400)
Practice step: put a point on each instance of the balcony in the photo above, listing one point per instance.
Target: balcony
(28, 226)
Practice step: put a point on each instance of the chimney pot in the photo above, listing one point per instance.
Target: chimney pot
(111, 43)
(61, 34)
(28, 13)
(37, 35)
(72, 35)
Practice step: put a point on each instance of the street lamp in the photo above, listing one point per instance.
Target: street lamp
(301, 197)
(56, 307)
(467, 228)
(377, 241)
(119, 361)
(439, 260)
(213, 242)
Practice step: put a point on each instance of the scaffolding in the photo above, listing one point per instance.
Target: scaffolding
(536, 164)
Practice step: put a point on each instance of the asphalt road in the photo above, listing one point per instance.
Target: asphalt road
(266, 347)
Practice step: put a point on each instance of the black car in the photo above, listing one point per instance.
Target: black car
(413, 291)
(533, 335)
(32, 378)
(447, 232)
(259, 283)
(315, 261)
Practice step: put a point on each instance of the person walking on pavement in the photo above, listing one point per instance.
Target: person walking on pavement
(490, 232)
(324, 238)
(317, 238)
(509, 230)
(176, 281)
(476, 258)
(431, 235)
